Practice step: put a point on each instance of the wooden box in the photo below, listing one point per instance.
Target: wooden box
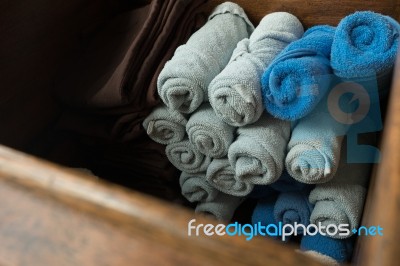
(51, 215)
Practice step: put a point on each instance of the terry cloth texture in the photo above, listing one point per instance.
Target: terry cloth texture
(341, 200)
(195, 187)
(258, 153)
(299, 77)
(235, 94)
(365, 44)
(184, 156)
(222, 208)
(314, 147)
(183, 83)
(221, 175)
(165, 126)
(293, 207)
(327, 250)
(209, 134)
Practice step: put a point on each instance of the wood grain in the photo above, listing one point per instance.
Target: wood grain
(312, 12)
(383, 203)
(52, 215)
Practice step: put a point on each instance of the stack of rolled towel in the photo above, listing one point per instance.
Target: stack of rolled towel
(212, 120)
(256, 111)
(324, 149)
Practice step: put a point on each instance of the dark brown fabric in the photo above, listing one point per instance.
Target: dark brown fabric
(36, 37)
(100, 63)
(109, 87)
(109, 96)
(138, 164)
(79, 77)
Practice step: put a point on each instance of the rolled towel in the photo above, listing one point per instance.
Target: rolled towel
(286, 183)
(184, 80)
(365, 44)
(327, 250)
(184, 156)
(222, 208)
(235, 94)
(165, 125)
(341, 200)
(221, 175)
(209, 134)
(258, 153)
(293, 207)
(314, 147)
(299, 77)
(263, 214)
(196, 188)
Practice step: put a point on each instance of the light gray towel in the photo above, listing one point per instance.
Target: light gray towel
(184, 156)
(165, 125)
(196, 188)
(341, 200)
(222, 208)
(183, 82)
(209, 134)
(314, 147)
(221, 175)
(258, 153)
(235, 94)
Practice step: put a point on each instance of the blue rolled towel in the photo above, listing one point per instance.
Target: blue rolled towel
(235, 94)
(299, 77)
(327, 250)
(263, 213)
(365, 44)
(183, 82)
(286, 183)
(293, 207)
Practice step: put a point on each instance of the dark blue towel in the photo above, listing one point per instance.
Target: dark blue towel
(365, 44)
(263, 213)
(338, 249)
(293, 207)
(299, 77)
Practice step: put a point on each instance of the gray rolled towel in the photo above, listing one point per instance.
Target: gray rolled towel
(221, 175)
(222, 208)
(165, 125)
(314, 147)
(184, 156)
(184, 80)
(195, 187)
(209, 134)
(341, 200)
(258, 153)
(235, 94)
